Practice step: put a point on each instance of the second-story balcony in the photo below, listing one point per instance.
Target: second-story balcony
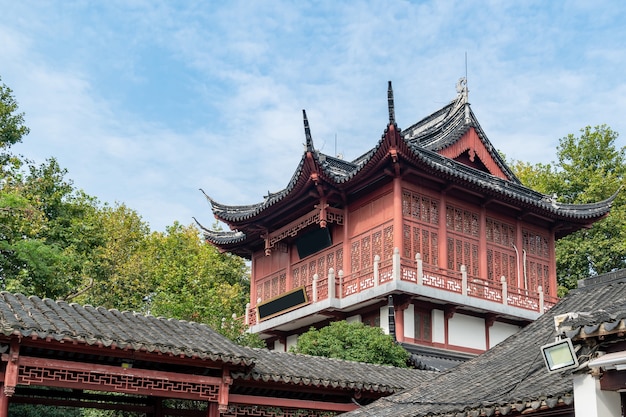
(328, 292)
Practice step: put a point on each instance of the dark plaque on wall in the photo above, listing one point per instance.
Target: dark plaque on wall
(313, 241)
(282, 304)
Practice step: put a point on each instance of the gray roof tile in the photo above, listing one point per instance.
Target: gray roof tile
(512, 375)
(293, 368)
(423, 141)
(60, 321)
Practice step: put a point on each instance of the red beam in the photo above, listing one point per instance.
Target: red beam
(290, 403)
(114, 370)
(77, 375)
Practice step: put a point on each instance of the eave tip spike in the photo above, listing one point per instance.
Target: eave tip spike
(392, 114)
(307, 132)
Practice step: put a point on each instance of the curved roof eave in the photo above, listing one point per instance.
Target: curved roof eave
(36, 318)
(444, 127)
(232, 214)
(333, 170)
(513, 191)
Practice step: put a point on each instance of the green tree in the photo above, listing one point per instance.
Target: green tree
(590, 168)
(12, 128)
(44, 241)
(171, 274)
(354, 342)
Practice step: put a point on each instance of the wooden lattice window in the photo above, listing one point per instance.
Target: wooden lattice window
(420, 207)
(501, 258)
(420, 240)
(462, 244)
(462, 221)
(538, 260)
(364, 247)
(463, 252)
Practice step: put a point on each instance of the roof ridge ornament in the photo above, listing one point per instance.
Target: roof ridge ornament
(307, 133)
(392, 113)
(463, 95)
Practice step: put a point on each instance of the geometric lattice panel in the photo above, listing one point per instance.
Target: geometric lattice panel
(237, 410)
(117, 382)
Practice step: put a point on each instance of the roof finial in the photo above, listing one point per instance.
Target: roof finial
(463, 94)
(307, 133)
(392, 114)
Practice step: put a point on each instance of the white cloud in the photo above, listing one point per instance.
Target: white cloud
(146, 102)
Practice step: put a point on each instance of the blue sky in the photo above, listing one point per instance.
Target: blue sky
(145, 102)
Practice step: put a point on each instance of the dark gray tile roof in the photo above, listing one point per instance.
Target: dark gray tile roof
(423, 141)
(512, 375)
(36, 318)
(424, 357)
(444, 127)
(59, 321)
(290, 368)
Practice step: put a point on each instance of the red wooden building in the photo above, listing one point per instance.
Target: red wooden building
(431, 216)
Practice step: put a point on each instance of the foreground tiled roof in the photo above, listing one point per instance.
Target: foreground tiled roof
(586, 323)
(60, 322)
(434, 359)
(36, 318)
(512, 376)
(290, 368)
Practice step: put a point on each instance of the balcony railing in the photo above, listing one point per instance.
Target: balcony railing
(338, 285)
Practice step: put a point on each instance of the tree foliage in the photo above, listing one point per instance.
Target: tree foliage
(58, 242)
(354, 342)
(12, 128)
(590, 168)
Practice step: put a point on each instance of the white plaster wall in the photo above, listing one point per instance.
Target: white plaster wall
(291, 341)
(500, 331)
(409, 321)
(354, 319)
(467, 331)
(439, 330)
(591, 401)
(384, 319)
(279, 346)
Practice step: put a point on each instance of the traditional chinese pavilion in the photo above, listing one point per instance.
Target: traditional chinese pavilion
(430, 223)
(60, 354)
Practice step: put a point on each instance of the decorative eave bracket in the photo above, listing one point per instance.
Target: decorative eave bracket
(322, 214)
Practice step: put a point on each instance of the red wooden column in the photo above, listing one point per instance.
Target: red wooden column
(347, 268)
(443, 232)
(552, 267)
(4, 401)
(212, 410)
(10, 377)
(483, 268)
(397, 213)
(519, 242)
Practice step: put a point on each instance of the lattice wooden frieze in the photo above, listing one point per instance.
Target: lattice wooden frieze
(291, 230)
(130, 383)
(236, 410)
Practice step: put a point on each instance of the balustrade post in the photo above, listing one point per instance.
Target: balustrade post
(314, 285)
(246, 319)
(541, 306)
(331, 283)
(464, 279)
(340, 273)
(420, 268)
(505, 291)
(396, 264)
(376, 270)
